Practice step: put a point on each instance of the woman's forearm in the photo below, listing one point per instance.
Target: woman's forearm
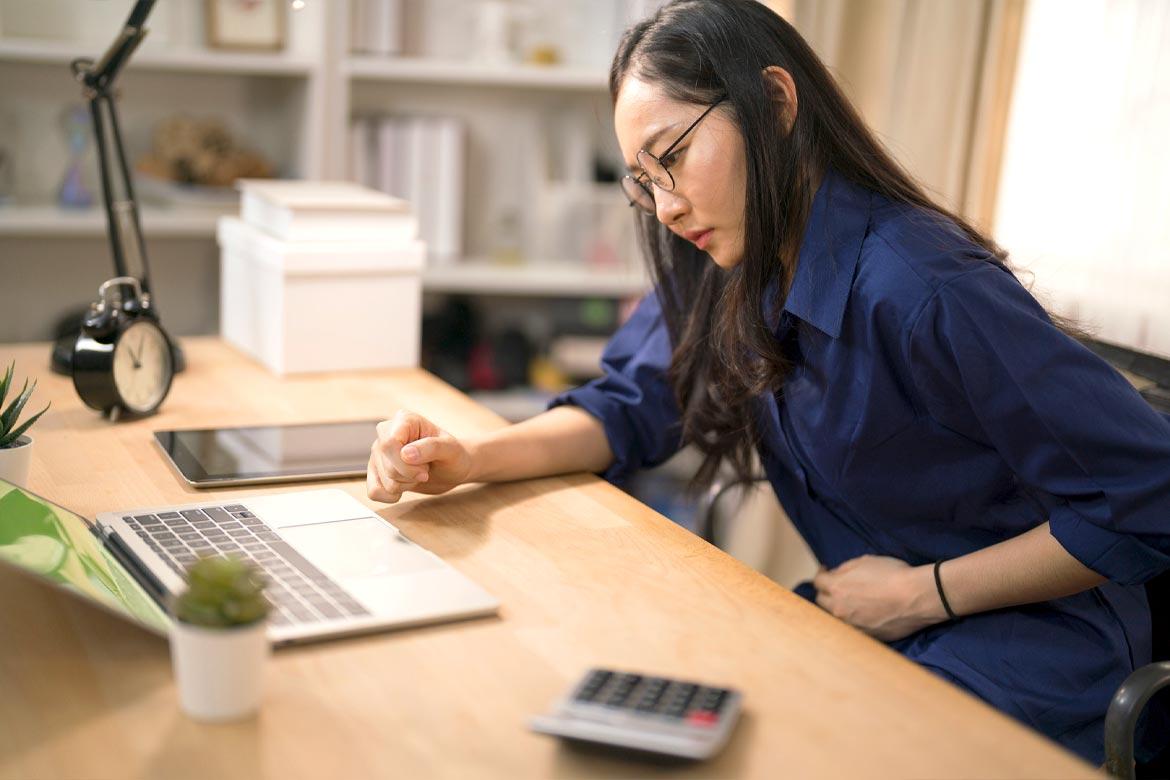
(560, 441)
(890, 599)
(1026, 569)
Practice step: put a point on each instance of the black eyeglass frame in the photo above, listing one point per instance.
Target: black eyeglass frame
(641, 179)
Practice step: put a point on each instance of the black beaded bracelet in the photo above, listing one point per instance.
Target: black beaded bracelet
(938, 584)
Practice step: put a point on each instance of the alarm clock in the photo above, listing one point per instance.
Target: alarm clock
(122, 362)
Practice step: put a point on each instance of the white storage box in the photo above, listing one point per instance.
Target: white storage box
(301, 306)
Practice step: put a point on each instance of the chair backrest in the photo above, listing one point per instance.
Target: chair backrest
(1158, 591)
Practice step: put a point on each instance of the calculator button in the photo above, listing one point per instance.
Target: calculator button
(593, 684)
(621, 689)
(674, 702)
(651, 692)
(702, 718)
(711, 699)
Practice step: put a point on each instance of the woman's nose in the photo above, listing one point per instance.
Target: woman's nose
(669, 206)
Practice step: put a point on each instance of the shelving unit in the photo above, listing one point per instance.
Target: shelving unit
(474, 276)
(478, 277)
(52, 221)
(187, 59)
(453, 73)
(296, 105)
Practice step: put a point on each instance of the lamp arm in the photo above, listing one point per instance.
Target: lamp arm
(115, 235)
(139, 13)
(125, 211)
(122, 223)
(106, 70)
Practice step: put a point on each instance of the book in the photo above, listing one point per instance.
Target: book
(376, 27)
(325, 211)
(422, 160)
(420, 174)
(390, 161)
(446, 242)
(362, 150)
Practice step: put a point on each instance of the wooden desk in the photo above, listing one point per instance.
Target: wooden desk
(586, 576)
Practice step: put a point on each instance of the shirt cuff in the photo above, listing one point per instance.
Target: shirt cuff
(609, 413)
(1123, 558)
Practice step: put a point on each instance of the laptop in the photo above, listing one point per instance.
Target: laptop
(333, 566)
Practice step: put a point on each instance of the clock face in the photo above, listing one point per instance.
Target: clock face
(142, 367)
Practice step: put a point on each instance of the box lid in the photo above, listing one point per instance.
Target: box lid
(322, 196)
(319, 257)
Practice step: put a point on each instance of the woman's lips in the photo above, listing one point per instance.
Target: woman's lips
(700, 238)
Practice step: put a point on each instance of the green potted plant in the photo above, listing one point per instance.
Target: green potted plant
(219, 640)
(15, 444)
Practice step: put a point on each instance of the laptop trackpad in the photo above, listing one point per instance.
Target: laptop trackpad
(365, 547)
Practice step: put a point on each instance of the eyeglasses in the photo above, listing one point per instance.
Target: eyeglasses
(656, 170)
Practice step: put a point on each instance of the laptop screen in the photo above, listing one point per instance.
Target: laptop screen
(57, 545)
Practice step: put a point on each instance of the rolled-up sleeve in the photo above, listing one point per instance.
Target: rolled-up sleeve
(632, 398)
(990, 364)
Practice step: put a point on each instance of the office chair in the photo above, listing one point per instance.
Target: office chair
(705, 514)
(1131, 698)
(1128, 703)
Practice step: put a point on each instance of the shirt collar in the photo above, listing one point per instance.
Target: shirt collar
(829, 253)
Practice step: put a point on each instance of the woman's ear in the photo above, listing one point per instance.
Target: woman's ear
(783, 89)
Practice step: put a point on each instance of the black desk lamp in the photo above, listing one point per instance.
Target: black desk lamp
(122, 223)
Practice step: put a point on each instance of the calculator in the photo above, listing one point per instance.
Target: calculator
(639, 712)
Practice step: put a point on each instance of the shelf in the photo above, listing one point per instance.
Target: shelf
(53, 221)
(513, 405)
(537, 279)
(454, 72)
(190, 60)
(471, 277)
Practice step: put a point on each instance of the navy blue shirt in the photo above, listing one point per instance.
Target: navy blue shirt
(934, 410)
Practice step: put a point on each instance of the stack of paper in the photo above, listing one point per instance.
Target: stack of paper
(325, 211)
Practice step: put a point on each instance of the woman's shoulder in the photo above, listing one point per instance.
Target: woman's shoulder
(910, 253)
(908, 258)
(927, 244)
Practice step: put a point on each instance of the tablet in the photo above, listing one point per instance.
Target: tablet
(218, 457)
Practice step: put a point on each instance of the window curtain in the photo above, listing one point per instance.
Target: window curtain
(1084, 203)
(933, 78)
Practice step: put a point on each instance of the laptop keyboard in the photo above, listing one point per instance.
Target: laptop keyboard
(297, 590)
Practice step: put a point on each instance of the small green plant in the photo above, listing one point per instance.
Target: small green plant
(222, 593)
(9, 431)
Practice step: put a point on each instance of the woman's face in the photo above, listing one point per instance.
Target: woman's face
(706, 206)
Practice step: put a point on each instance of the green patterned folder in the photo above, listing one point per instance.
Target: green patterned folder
(58, 545)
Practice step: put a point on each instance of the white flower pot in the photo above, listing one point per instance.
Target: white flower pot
(14, 462)
(219, 671)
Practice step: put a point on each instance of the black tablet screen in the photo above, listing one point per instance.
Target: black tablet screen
(277, 452)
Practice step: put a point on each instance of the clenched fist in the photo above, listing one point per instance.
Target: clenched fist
(412, 453)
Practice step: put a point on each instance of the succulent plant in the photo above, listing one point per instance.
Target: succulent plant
(10, 432)
(222, 593)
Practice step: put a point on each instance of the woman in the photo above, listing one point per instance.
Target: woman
(982, 492)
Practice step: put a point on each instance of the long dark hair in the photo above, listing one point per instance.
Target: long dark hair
(724, 354)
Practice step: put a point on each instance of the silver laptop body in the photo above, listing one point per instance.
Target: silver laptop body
(333, 566)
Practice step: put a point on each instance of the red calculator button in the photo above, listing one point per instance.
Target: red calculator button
(702, 718)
